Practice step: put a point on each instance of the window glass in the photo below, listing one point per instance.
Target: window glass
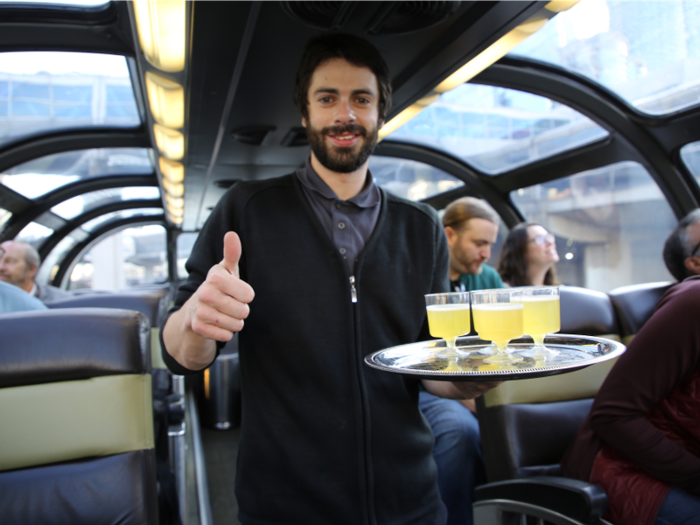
(71, 208)
(4, 217)
(34, 234)
(610, 223)
(185, 242)
(690, 153)
(43, 91)
(49, 266)
(130, 257)
(410, 179)
(648, 53)
(100, 221)
(40, 176)
(498, 129)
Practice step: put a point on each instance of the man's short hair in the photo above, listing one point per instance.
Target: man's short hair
(460, 211)
(678, 247)
(355, 50)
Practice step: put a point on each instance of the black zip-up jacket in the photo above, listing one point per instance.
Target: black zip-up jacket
(325, 439)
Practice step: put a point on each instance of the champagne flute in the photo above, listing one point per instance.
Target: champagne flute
(498, 318)
(541, 316)
(448, 318)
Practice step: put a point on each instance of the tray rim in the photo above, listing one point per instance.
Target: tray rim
(499, 375)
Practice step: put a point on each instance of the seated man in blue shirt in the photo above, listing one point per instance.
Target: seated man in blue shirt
(471, 226)
(14, 299)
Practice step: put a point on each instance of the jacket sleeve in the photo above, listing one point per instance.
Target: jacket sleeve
(661, 357)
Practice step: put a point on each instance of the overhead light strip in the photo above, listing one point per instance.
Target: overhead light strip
(476, 65)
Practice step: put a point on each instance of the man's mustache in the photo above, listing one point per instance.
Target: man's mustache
(347, 128)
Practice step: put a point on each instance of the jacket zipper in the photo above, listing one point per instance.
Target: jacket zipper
(353, 290)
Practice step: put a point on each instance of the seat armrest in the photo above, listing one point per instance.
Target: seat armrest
(579, 500)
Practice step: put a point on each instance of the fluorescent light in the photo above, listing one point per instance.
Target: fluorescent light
(173, 171)
(170, 143)
(176, 189)
(557, 6)
(167, 100)
(161, 28)
(177, 202)
(407, 114)
(490, 55)
(480, 62)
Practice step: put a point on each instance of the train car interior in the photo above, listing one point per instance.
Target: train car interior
(122, 124)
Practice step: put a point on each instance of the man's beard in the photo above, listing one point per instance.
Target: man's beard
(336, 158)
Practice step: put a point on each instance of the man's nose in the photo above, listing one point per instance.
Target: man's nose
(486, 252)
(345, 112)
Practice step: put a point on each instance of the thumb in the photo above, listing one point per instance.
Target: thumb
(232, 252)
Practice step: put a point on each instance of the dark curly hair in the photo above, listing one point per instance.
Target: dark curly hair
(513, 265)
(355, 50)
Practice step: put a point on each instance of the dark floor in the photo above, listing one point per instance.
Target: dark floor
(220, 450)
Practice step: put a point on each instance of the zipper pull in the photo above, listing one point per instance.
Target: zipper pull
(353, 290)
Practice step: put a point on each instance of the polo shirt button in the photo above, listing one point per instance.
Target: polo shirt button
(341, 225)
(343, 250)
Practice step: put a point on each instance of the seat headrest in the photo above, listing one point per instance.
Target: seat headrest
(587, 312)
(636, 303)
(61, 345)
(151, 303)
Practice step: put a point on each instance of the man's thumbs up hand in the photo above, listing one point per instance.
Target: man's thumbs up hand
(232, 253)
(220, 304)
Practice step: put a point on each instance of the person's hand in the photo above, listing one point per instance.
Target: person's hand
(473, 389)
(220, 304)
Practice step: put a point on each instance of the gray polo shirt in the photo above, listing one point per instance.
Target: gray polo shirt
(348, 223)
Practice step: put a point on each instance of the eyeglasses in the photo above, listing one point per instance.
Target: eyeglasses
(543, 239)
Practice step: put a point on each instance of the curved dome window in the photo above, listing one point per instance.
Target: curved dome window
(610, 224)
(41, 176)
(410, 179)
(72, 208)
(690, 153)
(44, 91)
(648, 53)
(497, 129)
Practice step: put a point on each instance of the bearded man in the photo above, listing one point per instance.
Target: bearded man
(339, 269)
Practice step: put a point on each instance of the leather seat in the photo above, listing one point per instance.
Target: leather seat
(634, 305)
(527, 425)
(153, 303)
(77, 420)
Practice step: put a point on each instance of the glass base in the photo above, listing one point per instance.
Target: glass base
(503, 357)
(540, 352)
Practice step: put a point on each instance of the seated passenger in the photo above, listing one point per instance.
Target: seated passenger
(528, 256)
(13, 299)
(641, 440)
(19, 265)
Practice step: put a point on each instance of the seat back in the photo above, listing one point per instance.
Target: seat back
(77, 419)
(526, 425)
(153, 303)
(634, 305)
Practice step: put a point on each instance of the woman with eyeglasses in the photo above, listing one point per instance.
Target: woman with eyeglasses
(528, 256)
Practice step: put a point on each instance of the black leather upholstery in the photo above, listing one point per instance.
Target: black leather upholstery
(586, 312)
(62, 345)
(56, 350)
(151, 303)
(526, 440)
(114, 490)
(635, 304)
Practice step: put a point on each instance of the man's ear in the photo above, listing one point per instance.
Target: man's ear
(693, 265)
(451, 235)
(32, 271)
(303, 121)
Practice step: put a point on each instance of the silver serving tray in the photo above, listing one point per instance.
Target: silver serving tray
(423, 359)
